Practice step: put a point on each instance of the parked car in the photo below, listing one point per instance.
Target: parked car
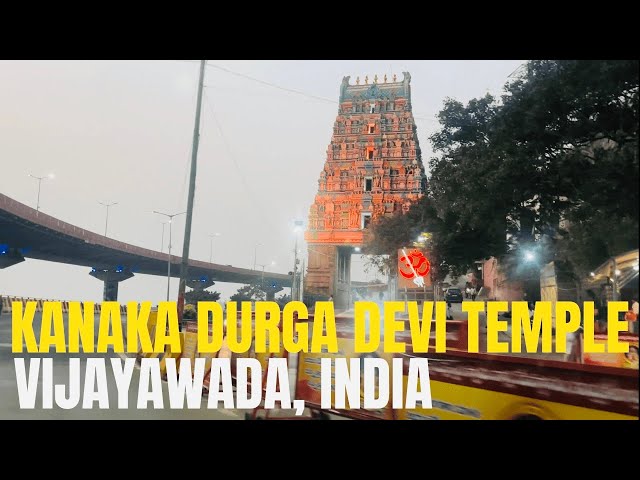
(453, 295)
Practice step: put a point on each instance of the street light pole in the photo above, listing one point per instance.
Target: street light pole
(184, 266)
(106, 222)
(255, 254)
(294, 285)
(212, 237)
(162, 242)
(170, 217)
(262, 281)
(297, 228)
(39, 185)
(169, 264)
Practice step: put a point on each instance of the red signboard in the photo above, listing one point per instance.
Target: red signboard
(413, 269)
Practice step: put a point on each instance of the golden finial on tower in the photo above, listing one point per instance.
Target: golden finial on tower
(385, 78)
(375, 78)
(394, 77)
(357, 80)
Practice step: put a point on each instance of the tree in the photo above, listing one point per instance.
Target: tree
(577, 122)
(195, 296)
(249, 293)
(283, 299)
(560, 144)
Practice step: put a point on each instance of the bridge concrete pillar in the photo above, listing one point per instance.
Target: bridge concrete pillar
(9, 256)
(111, 279)
(271, 292)
(200, 284)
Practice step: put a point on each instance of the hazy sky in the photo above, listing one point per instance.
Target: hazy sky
(121, 131)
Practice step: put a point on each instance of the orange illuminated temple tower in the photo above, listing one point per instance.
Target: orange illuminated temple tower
(373, 168)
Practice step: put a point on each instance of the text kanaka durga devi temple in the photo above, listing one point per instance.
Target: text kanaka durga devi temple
(373, 168)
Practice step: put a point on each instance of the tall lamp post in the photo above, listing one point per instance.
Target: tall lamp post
(170, 217)
(106, 222)
(51, 176)
(260, 265)
(255, 254)
(162, 242)
(212, 237)
(298, 225)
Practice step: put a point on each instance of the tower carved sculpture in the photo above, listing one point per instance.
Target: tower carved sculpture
(373, 169)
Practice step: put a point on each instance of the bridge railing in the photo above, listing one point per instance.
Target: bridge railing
(8, 300)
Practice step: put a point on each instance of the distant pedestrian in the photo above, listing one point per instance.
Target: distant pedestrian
(474, 292)
(449, 313)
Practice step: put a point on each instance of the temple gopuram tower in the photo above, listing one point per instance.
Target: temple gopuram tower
(373, 169)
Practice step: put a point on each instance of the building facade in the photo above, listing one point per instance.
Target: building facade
(373, 169)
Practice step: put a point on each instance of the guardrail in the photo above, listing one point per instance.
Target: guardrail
(7, 302)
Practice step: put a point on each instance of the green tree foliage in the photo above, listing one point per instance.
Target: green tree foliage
(561, 143)
(283, 299)
(195, 296)
(248, 293)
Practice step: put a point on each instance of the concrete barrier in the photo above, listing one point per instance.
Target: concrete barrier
(7, 301)
(6, 305)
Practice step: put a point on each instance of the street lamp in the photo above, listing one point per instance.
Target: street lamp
(106, 222)
(162, 242)
(529, 256)
(298, 226)
(260, 265)
(170, 217)
(212, 237)
(255, 254)
(51, 176)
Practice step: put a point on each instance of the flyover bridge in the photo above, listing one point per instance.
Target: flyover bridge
(28, 233)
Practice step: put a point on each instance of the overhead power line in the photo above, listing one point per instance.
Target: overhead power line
(269, 84)
(248, 192)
